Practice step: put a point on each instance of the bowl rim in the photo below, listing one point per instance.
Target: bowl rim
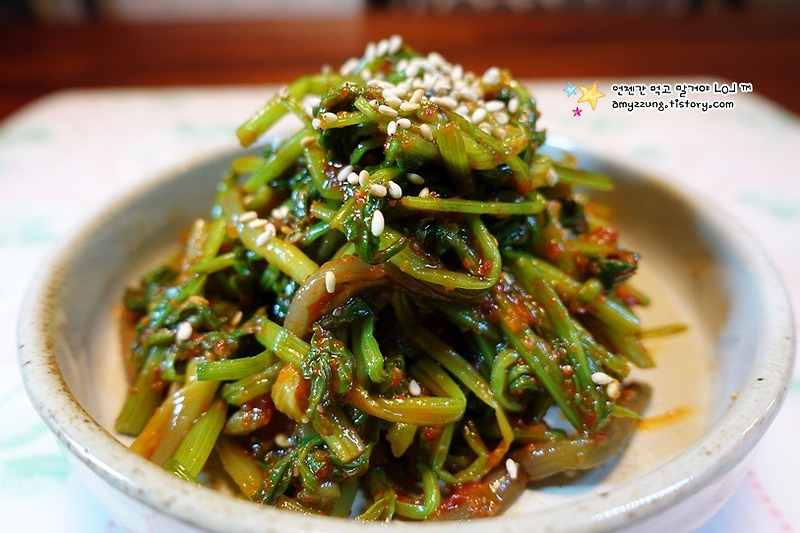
(642, 497)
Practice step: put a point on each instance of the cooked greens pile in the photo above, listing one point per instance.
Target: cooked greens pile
(395, 300)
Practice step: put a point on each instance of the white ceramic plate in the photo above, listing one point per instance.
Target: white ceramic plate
(725, 377)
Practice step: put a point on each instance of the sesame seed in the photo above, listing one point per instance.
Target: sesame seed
(349, 67)
(366, 74)
(500, 133)
(315, 123)
(382, 48)
(413, 388)
(393, 100)
(268, 233)
(426, 131)
(402, 64)
(257, 223)
(601, 378)
(444, 101)
(369, 53)
(486, 127)
(424, 193)
(435, 59)
(329, 117)
(237, 318)
(457, 73)
(284, 91)
(491, 76)
(412, 70)
(468, 94)
(409, 106)
(363, 176)
(247, 216)
(394, 190)
(343, 173)
(282, 440)
(442, 86)
(307, 141)
(401, 91)
(513, 105)
(383, 84)
(395, 43)
(386, 110)
(281, 212)
(183, 331)
(612, 389)
(403, 123)
(391, 129)
(373, 103)
(494, 105)
(376, 189)
(417, 96)
(552, 177)
(501, 118)
(416, 179)
(262, 238)
(512, 468)
(378, 223)
(330, 282)
(319, 408)
(478, 115)
(462, 110)
(352, 178)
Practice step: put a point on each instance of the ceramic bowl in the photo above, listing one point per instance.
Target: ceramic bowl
(717, 386)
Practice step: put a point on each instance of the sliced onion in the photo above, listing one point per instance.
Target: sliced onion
(312, 300)
(352, 275)
(543, 459)
(540, 460)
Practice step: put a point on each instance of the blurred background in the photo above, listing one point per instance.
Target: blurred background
(196, 10)
(50, 45)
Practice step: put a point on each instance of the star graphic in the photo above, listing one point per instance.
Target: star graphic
(590, 95)
(576, 112)
(570, 89)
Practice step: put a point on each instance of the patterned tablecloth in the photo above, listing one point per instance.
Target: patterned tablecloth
(66, 155)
